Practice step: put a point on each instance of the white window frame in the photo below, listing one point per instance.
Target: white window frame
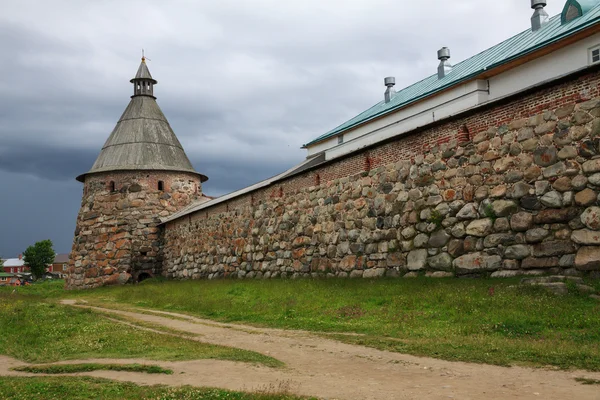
(591, 51)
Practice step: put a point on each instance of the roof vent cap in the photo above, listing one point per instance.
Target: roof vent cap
(389, 82)
(445, 67)
(540, 17)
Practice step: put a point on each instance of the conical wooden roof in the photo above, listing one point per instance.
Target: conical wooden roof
(142, 139)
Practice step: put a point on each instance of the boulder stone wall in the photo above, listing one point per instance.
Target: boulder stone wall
(505, 191)
(117, 236)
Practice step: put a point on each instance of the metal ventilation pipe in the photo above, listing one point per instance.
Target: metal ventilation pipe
(445, 67)
(389, 82)
(540, 17)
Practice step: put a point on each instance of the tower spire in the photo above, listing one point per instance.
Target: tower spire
(143, 83)
(142, 140)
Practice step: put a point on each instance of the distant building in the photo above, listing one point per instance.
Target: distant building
(60, 265)
(15, 265)
(7, 279)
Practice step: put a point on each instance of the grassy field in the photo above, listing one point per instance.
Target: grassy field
(488, 321)
(58, 388)
(41, 331)
(73, 368)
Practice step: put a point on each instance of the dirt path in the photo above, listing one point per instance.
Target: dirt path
(333, 370)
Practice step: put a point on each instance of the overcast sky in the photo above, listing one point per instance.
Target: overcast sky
(244, 84)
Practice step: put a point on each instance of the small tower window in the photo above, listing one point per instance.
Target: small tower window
(111, 186)
(161, 185)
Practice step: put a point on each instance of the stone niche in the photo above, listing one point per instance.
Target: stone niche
(519, 197)
(117, 238)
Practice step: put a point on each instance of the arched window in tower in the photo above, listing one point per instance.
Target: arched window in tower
(161, 186)
(111, 186)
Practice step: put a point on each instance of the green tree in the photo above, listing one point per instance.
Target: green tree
(38, 257)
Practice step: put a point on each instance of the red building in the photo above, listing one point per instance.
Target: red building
(9, 279)
(15, 265)
(60, 265)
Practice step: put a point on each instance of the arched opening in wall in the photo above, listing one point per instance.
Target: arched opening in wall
(143, 276)
(463, 135)
(111, 186)
(161, 185)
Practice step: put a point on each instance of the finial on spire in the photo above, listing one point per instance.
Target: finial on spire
(143, 56)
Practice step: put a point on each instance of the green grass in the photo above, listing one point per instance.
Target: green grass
(42, 289)
(73, 368)
(83, 388)
(452, 319)
(40, 331)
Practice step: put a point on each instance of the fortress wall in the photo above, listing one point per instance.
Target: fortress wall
(117, 235)
(504, 191)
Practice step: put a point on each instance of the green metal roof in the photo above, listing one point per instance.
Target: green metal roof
(511, 49)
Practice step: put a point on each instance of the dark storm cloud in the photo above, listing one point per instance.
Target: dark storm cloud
(52, 163)
(35, 209)
(243, 84)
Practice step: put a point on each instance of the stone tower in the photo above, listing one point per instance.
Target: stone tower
(141, 175)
